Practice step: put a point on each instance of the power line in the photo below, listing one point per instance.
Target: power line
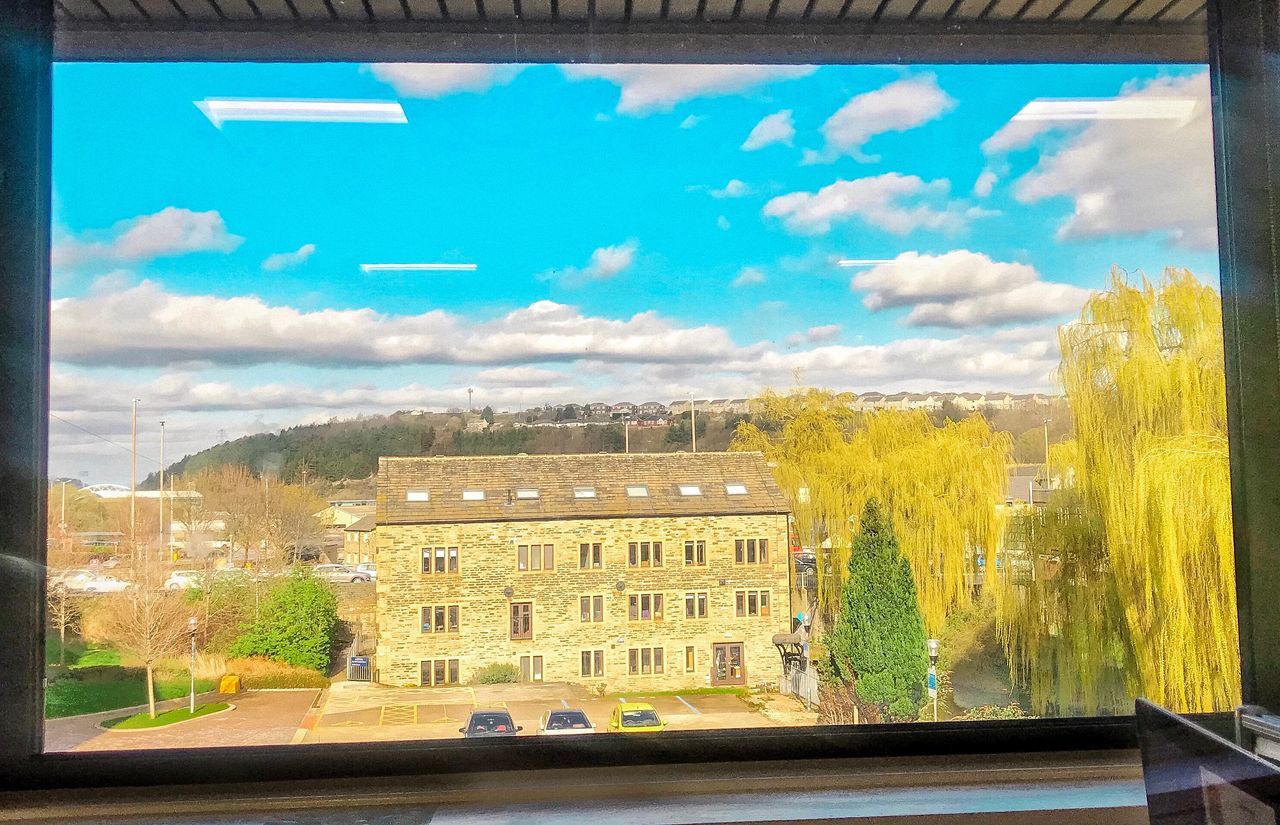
(101, 437)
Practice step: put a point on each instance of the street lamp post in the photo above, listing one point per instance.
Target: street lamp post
(933, 675)
(191, 629)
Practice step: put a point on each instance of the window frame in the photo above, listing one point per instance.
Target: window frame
(1244, 104)
(527, 611)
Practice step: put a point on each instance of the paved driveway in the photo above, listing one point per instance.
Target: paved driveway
(355, 712)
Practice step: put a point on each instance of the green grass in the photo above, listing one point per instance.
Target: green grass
(140, 721)
(78, 654)
(70, 696)
(706, 691)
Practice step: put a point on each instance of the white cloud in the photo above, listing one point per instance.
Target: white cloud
(1015, 135)
(691, 121)
(288, 260)
(913, 278)
(733, 189)
(523, 376)
(723, 222)
(774, 128)
(171, 231)
(965, 289)
(748, 276)
(822, 334)
(893, 202)
(985, 183)
(606, 262)
(649, 88)
(1137, 175)
(151, 326)
(435, 80)
(899, 106)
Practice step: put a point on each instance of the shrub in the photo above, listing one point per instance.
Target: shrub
(295, 624)
(498, 673)
(1010, 711)
(257, 673)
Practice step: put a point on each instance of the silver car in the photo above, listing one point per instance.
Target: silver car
(340, 573)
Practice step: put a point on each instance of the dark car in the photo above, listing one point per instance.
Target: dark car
(485, 723)
(806, 561)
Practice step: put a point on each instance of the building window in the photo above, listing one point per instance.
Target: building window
(695, 552)
(695, 605)
(439, 672)
(440, 619)
(417, 495)
(735, 489)
(690, 490)
(439, 560)
(591, 608)
(535, 557)
(751, 551)
(593, 663)
(589, 556)
(637, 491)
(531, 668)
(644, 554)
(690, 659)
(644, 607)
(584, 492)
(473, 495)
(752, 602)
(643, 661)
(527, 493)
(522, 620)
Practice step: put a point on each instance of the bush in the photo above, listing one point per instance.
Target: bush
(498, 673)
(296, 624)
(257, 673)
(1010, 711)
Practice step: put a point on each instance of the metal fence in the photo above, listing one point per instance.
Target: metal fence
(802, 684)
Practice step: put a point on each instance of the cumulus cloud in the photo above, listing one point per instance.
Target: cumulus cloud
(648, 88)
(605, 263)
(151, 326)
(435, 80)
(893, 202)
(748, 276)
(822, 334)
(774, 128)
(986, 182)
(171, 231)
(733, 189)
(523, 376)
(1130, 176)
(964, 289)
(288, 260)
(897, 107)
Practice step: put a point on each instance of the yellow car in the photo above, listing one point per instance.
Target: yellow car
(635, 717)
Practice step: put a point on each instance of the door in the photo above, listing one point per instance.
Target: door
(727, 665)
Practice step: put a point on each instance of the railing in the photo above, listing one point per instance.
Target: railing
(802, 684)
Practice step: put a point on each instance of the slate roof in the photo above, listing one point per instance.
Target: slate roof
(555, 477)
(364, 524)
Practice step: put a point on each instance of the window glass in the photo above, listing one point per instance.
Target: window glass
(986, 299)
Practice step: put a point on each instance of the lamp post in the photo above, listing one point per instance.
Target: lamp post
(191, 629)
(933, 675)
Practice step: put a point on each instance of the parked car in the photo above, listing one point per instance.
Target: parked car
(485, 723)
(635, 717)
(368, 567)
(563, 722)
(104, 583)
(183, 580)
(71, 579)
(340, 573)
(806, 561)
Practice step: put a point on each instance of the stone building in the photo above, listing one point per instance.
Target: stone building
(620, 571)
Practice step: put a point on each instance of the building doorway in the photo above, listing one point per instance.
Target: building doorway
(727, 664)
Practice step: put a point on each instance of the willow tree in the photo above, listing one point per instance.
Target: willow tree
(939, 485)
(1150, 502)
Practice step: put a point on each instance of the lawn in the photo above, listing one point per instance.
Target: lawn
(141, 721)
(119, 688)
(78, 653)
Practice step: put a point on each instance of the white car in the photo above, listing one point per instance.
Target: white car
(104, 583)
(183, 580)
(564, 723)
(371, 568)
(341, 573)
(71, 579)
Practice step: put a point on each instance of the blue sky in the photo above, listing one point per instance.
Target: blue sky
(630, 240)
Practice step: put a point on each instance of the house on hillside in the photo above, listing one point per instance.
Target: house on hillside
(358, 541)
(621, 410)
(619, 571)
(651, 408)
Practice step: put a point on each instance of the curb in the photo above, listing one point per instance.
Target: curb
(229, 707)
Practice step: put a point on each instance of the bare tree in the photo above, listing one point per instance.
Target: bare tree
(292, 518)
(146, 621)
(64, 615)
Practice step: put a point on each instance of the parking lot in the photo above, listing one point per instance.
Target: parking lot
(354, 711)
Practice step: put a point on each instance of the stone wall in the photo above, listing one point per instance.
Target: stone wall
(488, 566)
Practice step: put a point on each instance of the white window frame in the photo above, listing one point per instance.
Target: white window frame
(473, 495)
(637, 491)
(526, 493)
(584, 492)
(689, 490)
(417, 495)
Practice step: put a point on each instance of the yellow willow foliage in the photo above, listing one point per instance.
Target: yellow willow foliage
(940, 485)
(1143, 374)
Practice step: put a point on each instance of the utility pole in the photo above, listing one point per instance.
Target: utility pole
(133, 483)
(470, 408)
(626, 435)
(693, 423)
(1047, 479)
(164, 548)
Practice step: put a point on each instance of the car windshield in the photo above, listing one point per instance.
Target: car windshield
(639, 718)
(570, 720)
(490, 722)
